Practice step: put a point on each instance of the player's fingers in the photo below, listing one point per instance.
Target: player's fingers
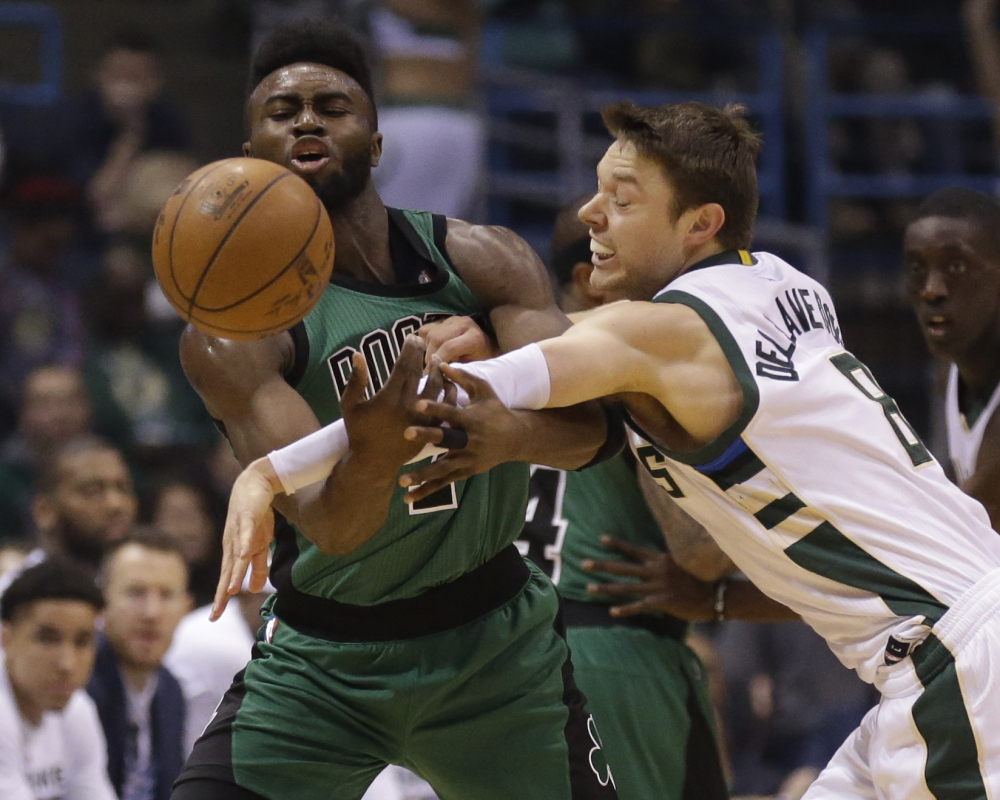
(442, 469)
(615, 568)
(258, 571)
(409, 366)
(435, 382)
(477, 388)
(416, 433)
(471, 345)
(354, 392)
(442, 411)
(631, 609)
(630, 588)
(450, 393)
(637, 552)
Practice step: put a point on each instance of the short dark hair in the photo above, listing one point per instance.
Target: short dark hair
(56, 578)
(325, 42)
(707, 153)
(148, 536)
(51, 472)
(960, 203)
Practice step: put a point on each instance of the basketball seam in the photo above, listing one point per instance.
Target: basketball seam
(173, 229)
(233, 227)
(284, 270)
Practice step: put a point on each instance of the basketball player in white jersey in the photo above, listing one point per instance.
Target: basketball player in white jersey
(951, 255)
(773, 437)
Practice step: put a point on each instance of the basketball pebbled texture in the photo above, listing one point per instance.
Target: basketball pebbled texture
(243, 248)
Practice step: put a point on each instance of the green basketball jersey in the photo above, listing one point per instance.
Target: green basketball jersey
(447, 534)
(568, 512)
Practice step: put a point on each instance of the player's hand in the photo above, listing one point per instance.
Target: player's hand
(492, 428)
(457, 339)
(375, 427)
(249, 530)
(660, 584)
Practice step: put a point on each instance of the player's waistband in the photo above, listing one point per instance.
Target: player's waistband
(577, 614)
(972, 612)
(439, 609)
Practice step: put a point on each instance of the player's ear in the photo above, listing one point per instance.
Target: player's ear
(246, 149)
(376, 148)
(706, 221)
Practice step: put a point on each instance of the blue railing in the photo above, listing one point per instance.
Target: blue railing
(49, 86)
(509, 93)
(824, 181)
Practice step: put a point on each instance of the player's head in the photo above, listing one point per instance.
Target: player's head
(678, 184)
(571, 264)
(145, 582)
(951, 254)
(85, 500)
(49, 613)
(311, 108)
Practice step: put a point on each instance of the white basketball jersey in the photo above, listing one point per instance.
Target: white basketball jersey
(820, 492)
(963, 441)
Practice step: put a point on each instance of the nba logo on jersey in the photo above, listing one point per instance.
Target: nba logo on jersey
(269, 629)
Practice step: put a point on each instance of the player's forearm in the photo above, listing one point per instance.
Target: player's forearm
(348, 508)
(563, 438)
(742, 600)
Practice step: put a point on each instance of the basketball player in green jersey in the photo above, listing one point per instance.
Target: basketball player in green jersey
(400, 633)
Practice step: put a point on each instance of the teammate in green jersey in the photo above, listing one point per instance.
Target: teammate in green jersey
(408, 634)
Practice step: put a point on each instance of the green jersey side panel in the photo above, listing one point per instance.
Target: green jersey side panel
(568, 512)
(458, 528)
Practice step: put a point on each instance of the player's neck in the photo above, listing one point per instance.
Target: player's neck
(136, 676)
(979, 366)
(361, 233)
(699, 254)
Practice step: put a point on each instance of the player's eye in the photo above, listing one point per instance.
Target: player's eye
(620, 203)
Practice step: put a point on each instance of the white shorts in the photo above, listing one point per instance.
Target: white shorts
(936, 733)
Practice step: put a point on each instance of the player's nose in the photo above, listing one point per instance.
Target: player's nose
(935, 287)
(308, 121)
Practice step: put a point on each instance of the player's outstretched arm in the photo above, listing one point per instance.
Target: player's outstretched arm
(243, 386)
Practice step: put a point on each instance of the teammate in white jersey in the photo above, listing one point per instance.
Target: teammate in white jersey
(951, 254)
(51, 743)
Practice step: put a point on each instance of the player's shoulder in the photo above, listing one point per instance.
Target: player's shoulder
(498, 265)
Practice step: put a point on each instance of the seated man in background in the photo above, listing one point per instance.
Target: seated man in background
(51, 746)
(139, 702)
(54, 409)
(85, 501)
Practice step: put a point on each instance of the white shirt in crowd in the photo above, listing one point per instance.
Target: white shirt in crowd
(62, 758)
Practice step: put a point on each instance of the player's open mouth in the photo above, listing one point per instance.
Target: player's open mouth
(309, 155)
(937, 326)
(601, 254)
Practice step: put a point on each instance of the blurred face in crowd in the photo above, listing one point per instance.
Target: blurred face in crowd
(639, 245)
(180, 511)
(49, 647)
(128, 81)
(319, 123)
(953, 281)
(91, 505)
(146, 595)
(54, 408)
(40, 242)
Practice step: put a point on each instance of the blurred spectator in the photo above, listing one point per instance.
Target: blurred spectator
(40, 320)
(85, 501)
(183, 509)
(12, 555)
(433, 150)
(984, 43)
(790, 703)
(125, 115)
(141, 398)
(54, 409)
(139, 702)
(51, 745)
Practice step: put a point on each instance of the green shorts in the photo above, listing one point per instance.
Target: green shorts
(487, 710)
(649, 695)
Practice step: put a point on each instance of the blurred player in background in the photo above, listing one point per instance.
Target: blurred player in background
(414, 635)
(951, 255)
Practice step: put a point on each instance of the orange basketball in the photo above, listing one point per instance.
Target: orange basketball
(243, 248)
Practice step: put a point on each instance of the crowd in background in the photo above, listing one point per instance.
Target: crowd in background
(108, 458)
